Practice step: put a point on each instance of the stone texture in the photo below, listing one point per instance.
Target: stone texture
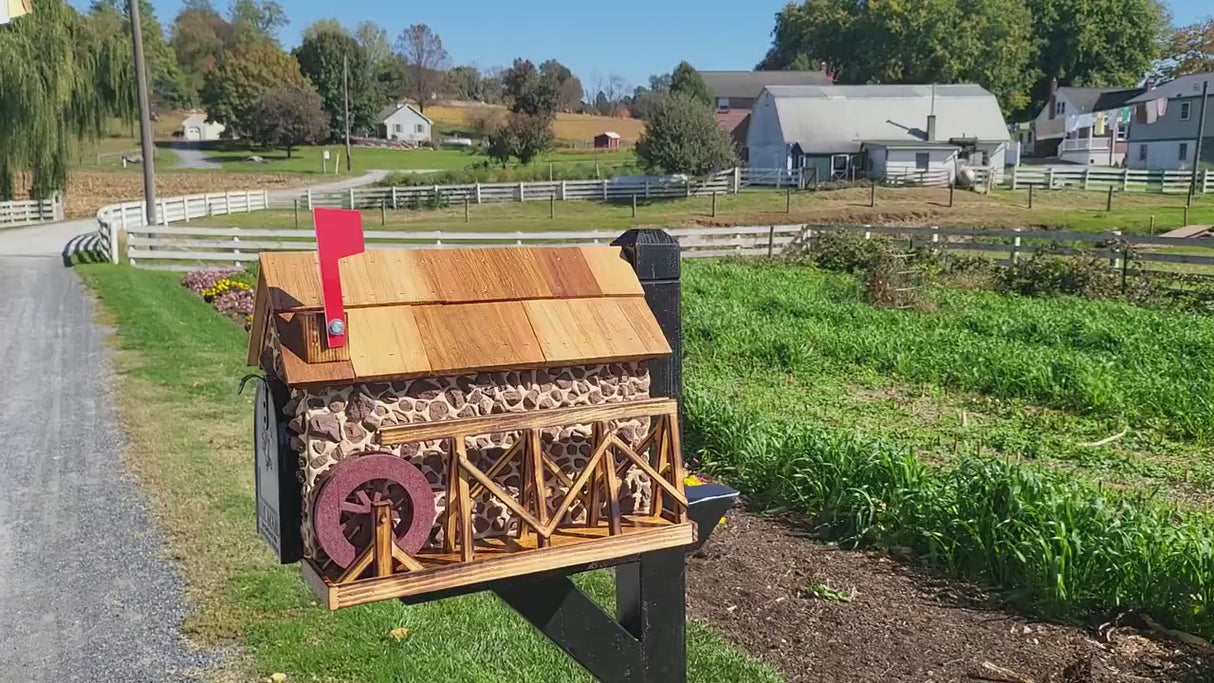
(334, 423)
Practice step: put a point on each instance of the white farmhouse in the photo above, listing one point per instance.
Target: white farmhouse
(403, 122)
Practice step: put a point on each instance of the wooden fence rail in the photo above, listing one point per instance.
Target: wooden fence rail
(14, 214)
(187, 247)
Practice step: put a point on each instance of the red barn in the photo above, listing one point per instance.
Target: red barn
(607, 140)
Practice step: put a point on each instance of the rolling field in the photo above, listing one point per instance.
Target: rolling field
(571, 127)
(1056, 448)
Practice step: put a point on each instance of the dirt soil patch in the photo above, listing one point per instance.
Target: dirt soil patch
(818, 613)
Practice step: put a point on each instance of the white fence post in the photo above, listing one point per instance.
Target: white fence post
(604, 189)
(1050, 178)
(1087, 171)
(1125, 180)
(227, 203)
(562, 190)
(1115, 260)
(236, 249)
(478, 193)
(352, 206)
(737, 179)
(393, 197)
(521, 192)
(1016, 246)
(309, 200)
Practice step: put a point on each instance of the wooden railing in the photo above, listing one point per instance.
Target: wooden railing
(657, 455)
(14, 214)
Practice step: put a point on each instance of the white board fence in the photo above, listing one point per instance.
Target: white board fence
(14, 214)
(1102, 178)
(190, 248)
(129, 216)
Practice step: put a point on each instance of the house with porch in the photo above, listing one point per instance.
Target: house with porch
(1166, 124)
(844, 132)
(1086, 126)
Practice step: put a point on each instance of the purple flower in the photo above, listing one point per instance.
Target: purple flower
(200, 280)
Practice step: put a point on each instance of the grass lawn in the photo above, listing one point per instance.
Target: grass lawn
(1055, 448)
(309, 158)
(104, 154)
(1070, 209)
(568, 126)
(178, 365)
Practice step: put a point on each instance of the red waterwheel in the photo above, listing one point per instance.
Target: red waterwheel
(342, 516)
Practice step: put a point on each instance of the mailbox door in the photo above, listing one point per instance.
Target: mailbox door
(278, 492)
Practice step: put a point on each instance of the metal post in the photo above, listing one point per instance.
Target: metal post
(787, 202)
(771, 239)
(145, 116)
(383, 213)
(951, 188)
(1186, 217)
(872, 195)
(714, 204)
(551, 205)
(1152, 224)
(634, 205)
(466, 203)
(1201, 131)
(296, 202)
(1108, 204)
(1030, 195)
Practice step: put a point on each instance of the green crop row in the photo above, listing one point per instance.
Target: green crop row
(1146, 367)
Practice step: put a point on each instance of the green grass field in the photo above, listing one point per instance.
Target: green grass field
(1076, 210)
(309, 158)
(178, 366)
(1055, 448)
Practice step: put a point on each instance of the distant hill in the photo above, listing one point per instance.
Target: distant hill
(571, 127)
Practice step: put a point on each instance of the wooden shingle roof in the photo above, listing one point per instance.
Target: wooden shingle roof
(413, 313)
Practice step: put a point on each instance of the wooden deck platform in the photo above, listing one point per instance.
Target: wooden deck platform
(501, 558)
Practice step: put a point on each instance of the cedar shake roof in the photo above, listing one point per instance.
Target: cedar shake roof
(424, 312)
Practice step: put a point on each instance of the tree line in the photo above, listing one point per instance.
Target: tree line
(1014, 48)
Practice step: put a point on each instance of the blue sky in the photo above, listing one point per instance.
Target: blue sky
(631, 38)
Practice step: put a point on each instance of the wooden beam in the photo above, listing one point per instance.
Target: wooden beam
(450, 525)
(467, 531)
(595, 503)
(677, 473)
(535, 459)
(381, 512)
(502, 496)
(497, 467)
(535, 419)
(612, 482)
(675, 492)
(577, 486)
(496, 568)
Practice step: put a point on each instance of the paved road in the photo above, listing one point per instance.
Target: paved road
(192, 155)
(50, 239)
(86, 592)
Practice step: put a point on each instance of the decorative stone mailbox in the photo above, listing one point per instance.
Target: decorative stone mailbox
(435, 422)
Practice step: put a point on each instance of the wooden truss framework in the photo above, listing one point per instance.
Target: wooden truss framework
(545, 533)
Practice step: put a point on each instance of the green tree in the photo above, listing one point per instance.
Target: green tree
(199, 37)
(529, 92)
(167, 86)
(1189, 50)
(232, 91)
(62, 78)
(320, 57)
(682, 136)
(685, 79)
(1095, 42)
(287, 117)
(528, 135)
(466, 82)
(1011, 47)
(253, 21)
(568, 86)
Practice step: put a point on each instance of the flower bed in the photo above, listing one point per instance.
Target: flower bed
(229, 291)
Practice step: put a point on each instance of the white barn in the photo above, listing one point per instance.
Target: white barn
(877, 131)
(196, 127)
(403, 122)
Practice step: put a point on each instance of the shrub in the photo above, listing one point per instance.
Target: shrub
(847, 251)
(683, 137)
(1046, 274)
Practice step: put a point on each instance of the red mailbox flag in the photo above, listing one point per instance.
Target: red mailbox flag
(339, 233)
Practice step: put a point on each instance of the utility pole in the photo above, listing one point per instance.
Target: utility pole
(345, 93)
(145, 117)
(1201, 131)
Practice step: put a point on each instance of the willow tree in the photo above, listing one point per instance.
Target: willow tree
(61, 80)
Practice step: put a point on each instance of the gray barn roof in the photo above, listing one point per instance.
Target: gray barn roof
(748, 84)
(1088, 100)
(835, 119)
(393, 108)
(1185, 86)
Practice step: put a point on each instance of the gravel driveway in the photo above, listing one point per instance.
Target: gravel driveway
(192, 155)
(86, 591)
